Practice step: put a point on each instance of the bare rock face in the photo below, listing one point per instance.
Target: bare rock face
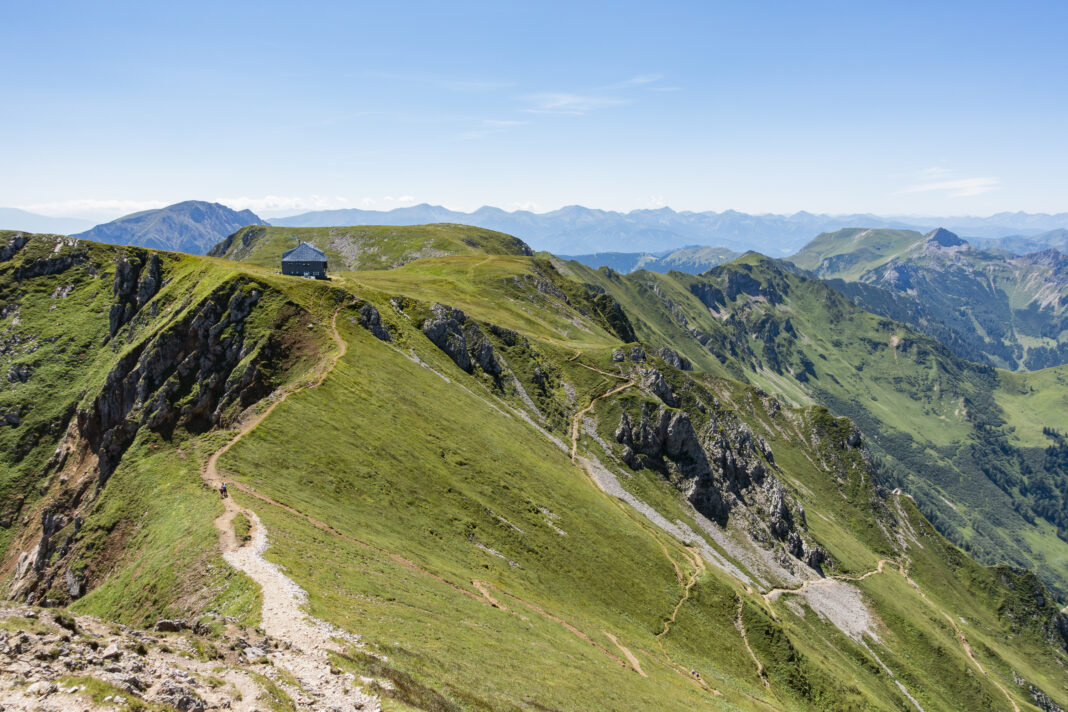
(371, 320)
(13, 246)
(461, 339)
(724, 470)
(198, 356)
(445, 330)
(674, 359)
(192, 374)
(137, 280)
(653, 381)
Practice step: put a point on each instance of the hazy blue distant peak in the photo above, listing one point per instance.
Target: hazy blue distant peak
(193, 226)
(575, 229)
(15, 219)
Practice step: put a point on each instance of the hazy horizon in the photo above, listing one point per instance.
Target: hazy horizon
(107, 216)
(907, 109)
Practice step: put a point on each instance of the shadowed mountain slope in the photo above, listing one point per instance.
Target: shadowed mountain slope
(1006, 310)
(193, 226)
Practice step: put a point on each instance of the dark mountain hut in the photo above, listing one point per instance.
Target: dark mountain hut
(304, 261)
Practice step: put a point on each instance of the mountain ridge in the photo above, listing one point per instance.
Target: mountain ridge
(468, 458)
(994, 307)
(192, 226)
(575, 229)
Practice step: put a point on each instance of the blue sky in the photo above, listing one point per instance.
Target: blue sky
(897, 108)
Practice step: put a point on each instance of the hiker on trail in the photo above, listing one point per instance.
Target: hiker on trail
(222, 490)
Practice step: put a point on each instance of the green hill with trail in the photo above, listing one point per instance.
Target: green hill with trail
(481, 481)
(366, 247)
(936, 421)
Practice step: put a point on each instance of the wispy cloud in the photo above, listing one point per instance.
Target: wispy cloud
(573, 104)
(488, 127)
(448, 83)
(277, 204)
(957, 187)
(580, 103)
(92, 207)
(636, 81)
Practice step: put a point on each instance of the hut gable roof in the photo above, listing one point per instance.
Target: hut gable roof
(304, 253)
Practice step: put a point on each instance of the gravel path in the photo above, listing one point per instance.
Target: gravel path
(308, 640)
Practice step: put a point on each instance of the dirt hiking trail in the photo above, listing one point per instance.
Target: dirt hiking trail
(308, 639)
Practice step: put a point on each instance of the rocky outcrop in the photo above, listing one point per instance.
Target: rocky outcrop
(371, 320)
(445, 330)
(58, 260)
(674, 359)
(14, 244)
(194, 374)
(653, 381)
(192, 363)
(724, 471)
(137, 279)
(461, 339)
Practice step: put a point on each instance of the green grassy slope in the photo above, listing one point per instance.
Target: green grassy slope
(438, 513)
(366, 247)
(933, 416)
(851, 252)
(142, 528)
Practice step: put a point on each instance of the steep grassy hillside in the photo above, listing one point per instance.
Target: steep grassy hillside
(1005, 310)
(472, 463)
(932, 416)
(116, 359)
(366, 247)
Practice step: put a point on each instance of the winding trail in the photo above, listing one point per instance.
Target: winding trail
(774, 594)
(309, 640)
(577, 420)
(740, 625)
(964, 644)
(699, 568)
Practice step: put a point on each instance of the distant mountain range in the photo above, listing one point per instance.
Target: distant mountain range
(193, 226)
(15, 219)
(576, 230)
(1022, 245)
(196, 226)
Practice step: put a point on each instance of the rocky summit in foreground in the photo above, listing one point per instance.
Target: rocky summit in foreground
(465, 477)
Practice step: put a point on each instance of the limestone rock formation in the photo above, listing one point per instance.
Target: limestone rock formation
(371, 320)
(725, 470)
(461, 339)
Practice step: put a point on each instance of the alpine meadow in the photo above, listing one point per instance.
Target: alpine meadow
(402, 425)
